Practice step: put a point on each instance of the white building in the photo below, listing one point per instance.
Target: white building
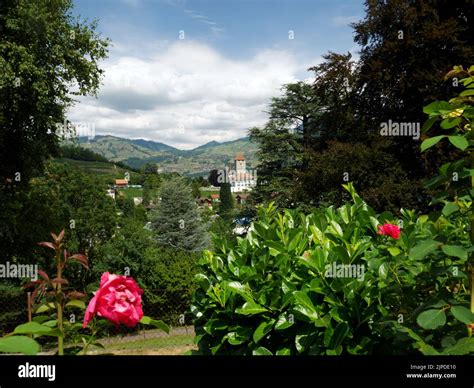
(241, 179)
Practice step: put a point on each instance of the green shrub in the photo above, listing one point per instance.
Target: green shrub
(271, 293)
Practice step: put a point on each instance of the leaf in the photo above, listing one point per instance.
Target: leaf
(428, 123)
(436, 106)
(283, 352)
(156, 323)
(59, 281)
(47, 245)
(283, 322)
(449, 209)
(450, 122)
(455, 251)
(459, 142)
(463, 314)
(82, 259)
(430, 142)
(45, 307)
(19, 344)
(420, 250)
(468, 92)
(383, 270)
(250, 308)
(35, 328)
(340, 333)
(76, 303)
(394, 251)
(203, 281)
(262, 330)
(261, 351)
(431, 319)
(305, 305)
(463, 346)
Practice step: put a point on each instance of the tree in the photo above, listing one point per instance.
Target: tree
(45, 52)
(176, 222)
(227, 201)
(407, 47)
(283, 142)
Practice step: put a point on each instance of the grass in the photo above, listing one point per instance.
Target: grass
(131, 192)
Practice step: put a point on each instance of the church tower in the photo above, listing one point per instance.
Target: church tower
(239, 160)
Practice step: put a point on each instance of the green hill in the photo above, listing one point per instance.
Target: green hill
(199, 161)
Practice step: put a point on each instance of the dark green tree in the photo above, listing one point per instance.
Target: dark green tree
(227, 201)
(176, 222)
(44, 53)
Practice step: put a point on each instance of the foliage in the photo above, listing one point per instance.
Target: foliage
(227, 200)
(176, 222)
(272, 293)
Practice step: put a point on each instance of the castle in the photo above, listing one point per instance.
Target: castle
(241, 179)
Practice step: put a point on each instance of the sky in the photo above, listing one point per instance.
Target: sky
(187, 72)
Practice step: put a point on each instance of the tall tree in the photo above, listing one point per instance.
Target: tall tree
(227, 201)
(47, 57)
(283, 141)
(176, 221)
(407, 47)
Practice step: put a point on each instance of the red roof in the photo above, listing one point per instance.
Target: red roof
(239, 156)
(215, 196)
(121, 182)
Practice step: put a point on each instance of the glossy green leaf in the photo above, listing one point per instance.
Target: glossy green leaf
(19, 344)
(76, 303)
(463, 314)
(459, 142)
(455, 251)
(450, 208)
(423, 248)
(261, 351)
(430, 142)
(262, 330)
(431, 319)
(250, 308)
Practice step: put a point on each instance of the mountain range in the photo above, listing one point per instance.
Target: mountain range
(198, 161)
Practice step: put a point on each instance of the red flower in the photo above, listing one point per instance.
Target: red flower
(118, 299)
(389, 230)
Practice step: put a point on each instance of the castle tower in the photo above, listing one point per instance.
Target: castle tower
(239, 160)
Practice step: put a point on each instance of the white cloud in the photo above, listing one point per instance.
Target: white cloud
(186, 94)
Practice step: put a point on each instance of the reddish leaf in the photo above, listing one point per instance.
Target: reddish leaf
(61, 235)
(31, 284)
(55, 238)
(47, 245)
(43, 274)
(81, 259)
(59, 281)
(76, 295)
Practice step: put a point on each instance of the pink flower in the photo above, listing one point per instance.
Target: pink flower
(118, 299)
(390, 230)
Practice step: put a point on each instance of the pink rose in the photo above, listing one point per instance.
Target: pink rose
(118, 299)
(390, 230)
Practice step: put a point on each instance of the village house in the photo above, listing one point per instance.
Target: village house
(215, 198)
(121, 183)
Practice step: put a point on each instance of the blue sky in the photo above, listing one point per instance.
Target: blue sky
(216, 82)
